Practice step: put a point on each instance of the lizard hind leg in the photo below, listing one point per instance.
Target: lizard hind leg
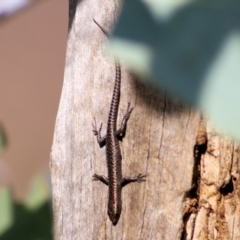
(122, 131)
(101, 178)
(101, 140)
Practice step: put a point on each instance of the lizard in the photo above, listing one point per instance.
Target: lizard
(115, 181)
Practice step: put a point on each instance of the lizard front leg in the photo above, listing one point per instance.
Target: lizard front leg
(140, 178)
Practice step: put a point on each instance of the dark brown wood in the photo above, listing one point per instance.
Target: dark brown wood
(212, 207)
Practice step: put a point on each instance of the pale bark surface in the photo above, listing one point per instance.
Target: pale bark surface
(160, 141)
(212, 211)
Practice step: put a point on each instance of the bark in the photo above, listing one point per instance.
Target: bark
(183, 197)
(212, 208)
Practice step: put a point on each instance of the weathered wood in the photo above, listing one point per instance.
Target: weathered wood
(178, 200)
(212, 209)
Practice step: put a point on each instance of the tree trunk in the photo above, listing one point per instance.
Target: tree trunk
(191, 191)
(211, 209)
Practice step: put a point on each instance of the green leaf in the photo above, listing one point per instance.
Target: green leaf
(39, 193)
(3, 138)
(31, 219)
(6, 210)
(177, 49)
(221, 93)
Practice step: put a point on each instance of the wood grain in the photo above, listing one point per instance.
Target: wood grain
(186, 195)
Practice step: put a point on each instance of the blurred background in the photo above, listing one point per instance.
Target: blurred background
(32, 50)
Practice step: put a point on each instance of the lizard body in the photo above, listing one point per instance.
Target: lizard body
(115, 181)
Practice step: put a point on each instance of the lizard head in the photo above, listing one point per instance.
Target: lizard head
(114, 213)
